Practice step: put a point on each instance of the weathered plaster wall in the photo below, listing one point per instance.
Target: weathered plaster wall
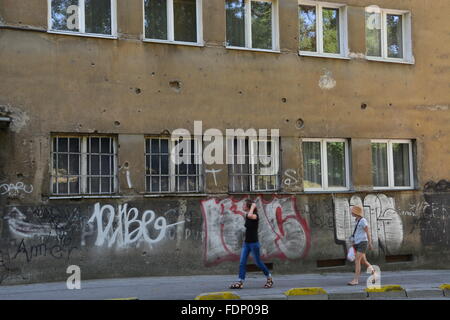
(68, 84)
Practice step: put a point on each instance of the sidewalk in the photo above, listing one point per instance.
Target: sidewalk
(422, 284)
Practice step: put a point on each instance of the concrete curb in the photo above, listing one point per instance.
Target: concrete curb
(306, 294)
(348, 296)
(388, 291)
(218, 296)
(125, 299)
(446, 289)
(420, 293)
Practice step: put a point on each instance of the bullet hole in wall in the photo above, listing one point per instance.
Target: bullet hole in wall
(20, 175)
(284, 100)
(138, 91)
(153, 74)
(300, 124)
(117, 123)
(363, 106)
(175, 85)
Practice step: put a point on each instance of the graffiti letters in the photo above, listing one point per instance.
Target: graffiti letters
(15, 189)
(384, 221)
(123, 226)
(283, 233)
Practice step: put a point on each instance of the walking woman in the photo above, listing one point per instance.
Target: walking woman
(251, 244)
(361, 240)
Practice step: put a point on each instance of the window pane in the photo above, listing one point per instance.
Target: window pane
(185, 20)
(312, 165)
(74, 145)
(94, 165)
(98, 16)
(336, 164)
(63, 144)
(74, 164)
(261, 24)
(379, 165)
(94, 146)
(394, 36)
(331, 42)
(106, 169)
(308, 35)
(65, 15)
(106, 145)
(156, 19)
(401, 164)
(235, 22)
(373, 34)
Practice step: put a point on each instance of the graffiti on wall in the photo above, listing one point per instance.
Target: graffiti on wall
(435, 220)
(283, 232)
(13, 190)
(385, 223)
(125, 226)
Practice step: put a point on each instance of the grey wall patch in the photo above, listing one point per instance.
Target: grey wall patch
(18, 117)
(326, 81)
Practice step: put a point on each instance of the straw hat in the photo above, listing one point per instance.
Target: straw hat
(358, 211)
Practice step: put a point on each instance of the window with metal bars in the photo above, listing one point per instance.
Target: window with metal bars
(253, 165)
(164, 174)
(84, 165)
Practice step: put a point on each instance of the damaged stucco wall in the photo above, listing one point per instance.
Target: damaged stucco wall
(68, 84)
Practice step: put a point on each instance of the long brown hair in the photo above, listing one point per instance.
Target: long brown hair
(249, 203)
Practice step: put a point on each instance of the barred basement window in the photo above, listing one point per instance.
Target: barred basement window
(84, 165)
(164, 174)
(253, 165)
(89, 17)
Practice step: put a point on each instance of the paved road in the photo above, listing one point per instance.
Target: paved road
(188, 287)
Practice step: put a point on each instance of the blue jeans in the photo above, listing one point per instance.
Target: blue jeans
(254, 249)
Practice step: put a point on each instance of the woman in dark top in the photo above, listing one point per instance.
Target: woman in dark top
(251, 244)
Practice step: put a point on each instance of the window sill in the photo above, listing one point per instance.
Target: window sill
(322, 55)
(84, 197)
(251, 49)
(182, 43)
(395, 189)
(375, 59)
(163, 195)
(88, 35)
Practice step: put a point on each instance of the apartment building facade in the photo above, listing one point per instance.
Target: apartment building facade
(348, 100)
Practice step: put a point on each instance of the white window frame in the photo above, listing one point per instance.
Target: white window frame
(82, 24)
(390, 160)
(171, 28)
(255, 154)
(248, 28)
(83, 165)
(324, 164)
(173, 188)
(408, 57)
(343, 29)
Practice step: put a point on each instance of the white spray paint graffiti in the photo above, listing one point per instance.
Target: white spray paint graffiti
(385, 223)
(326, 81)
(290, 177)
(18, 226)
(213, 172)
(283, 233)
(15, 189)
(117, 232)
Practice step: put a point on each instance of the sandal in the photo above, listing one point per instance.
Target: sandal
(237, 285)
(269, 283)
(351, 283)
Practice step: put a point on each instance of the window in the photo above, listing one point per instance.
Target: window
(84, 165)
(392, 164)
(177, 21)
(388, 35)
(326, 164)
(323, 29)
(90, 17)
(253, 164)
(164, 174)
(252, 24)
